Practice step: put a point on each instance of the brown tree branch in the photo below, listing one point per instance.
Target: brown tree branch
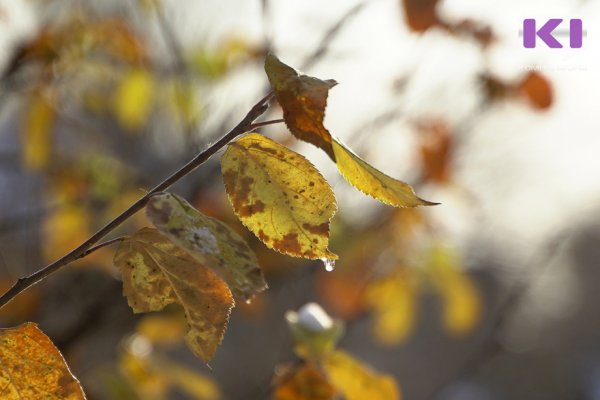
(83, 249)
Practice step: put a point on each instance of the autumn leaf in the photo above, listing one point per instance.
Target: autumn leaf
(133, 99)
(356, 381)
(209, 241)
(305, 382)
(537, 89)
(156, 272)
(373, 182)
(393, 302)
(33, 368)
(280, 196)
(303, 99)
(461, 299)
(38, 120)
(420, 14)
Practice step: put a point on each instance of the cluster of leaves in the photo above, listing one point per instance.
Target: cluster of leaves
(201, 264)
(422, 15)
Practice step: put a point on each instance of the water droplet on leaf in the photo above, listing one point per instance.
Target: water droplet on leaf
(329, 264)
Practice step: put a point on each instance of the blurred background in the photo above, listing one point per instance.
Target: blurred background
(490, 295)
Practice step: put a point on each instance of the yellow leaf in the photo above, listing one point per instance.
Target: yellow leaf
(146, 381)
(134, 98)
(162, 329)
(357, 381)
(65, 229)
(303, 99)
(156, 272)
(392, 300)
(280, 196)
(461, 298)
(305, 383)
(373, 182)
(33, 368)
(38, 120)
(212, 243)
(193, 383)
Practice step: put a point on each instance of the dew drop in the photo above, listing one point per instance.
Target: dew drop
(329, 264)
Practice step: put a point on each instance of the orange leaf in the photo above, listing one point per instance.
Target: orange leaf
(420, 14)
(33, 368)
(538, 90)
(303, 99)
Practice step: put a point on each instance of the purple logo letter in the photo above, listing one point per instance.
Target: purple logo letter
(544, 33)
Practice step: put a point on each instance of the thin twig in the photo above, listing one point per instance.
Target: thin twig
(23, 283)
(265, 123)
(101, 245)
(330, 35)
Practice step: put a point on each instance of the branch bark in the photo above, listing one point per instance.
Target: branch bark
(84, 248)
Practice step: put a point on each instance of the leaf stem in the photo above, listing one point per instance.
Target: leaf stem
(265, 123)
(87, 247)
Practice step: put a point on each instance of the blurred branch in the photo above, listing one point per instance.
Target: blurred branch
(330, 35)
(23, 283)
(492, 346)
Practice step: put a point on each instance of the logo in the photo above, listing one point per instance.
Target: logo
(548, 31)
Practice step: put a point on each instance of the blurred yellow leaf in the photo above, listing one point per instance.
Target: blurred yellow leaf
(65, 228)
(357, 381)
(305, 383)
(148, 383)
(33, 368)
(182, 102)
(156, 273)
(394, 305)
(280, 196)
(193, 383)
(461, 298)
(373, 182)
(134, 99)
(209, 241)
(38, 122)
(162, 329)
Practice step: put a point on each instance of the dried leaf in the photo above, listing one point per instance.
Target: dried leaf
(280, 196)
(33, 368)
(212, 243)
(392, 300)
(156, 272)
(303, 99)
(305, 383)
(38, 120)
(356, 381)
(373, 182)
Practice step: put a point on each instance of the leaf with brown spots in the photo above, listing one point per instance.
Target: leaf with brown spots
(33, 368)
(280, 196)
(373, 182)
(303, 99)
(209, 241)
(156, 272)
